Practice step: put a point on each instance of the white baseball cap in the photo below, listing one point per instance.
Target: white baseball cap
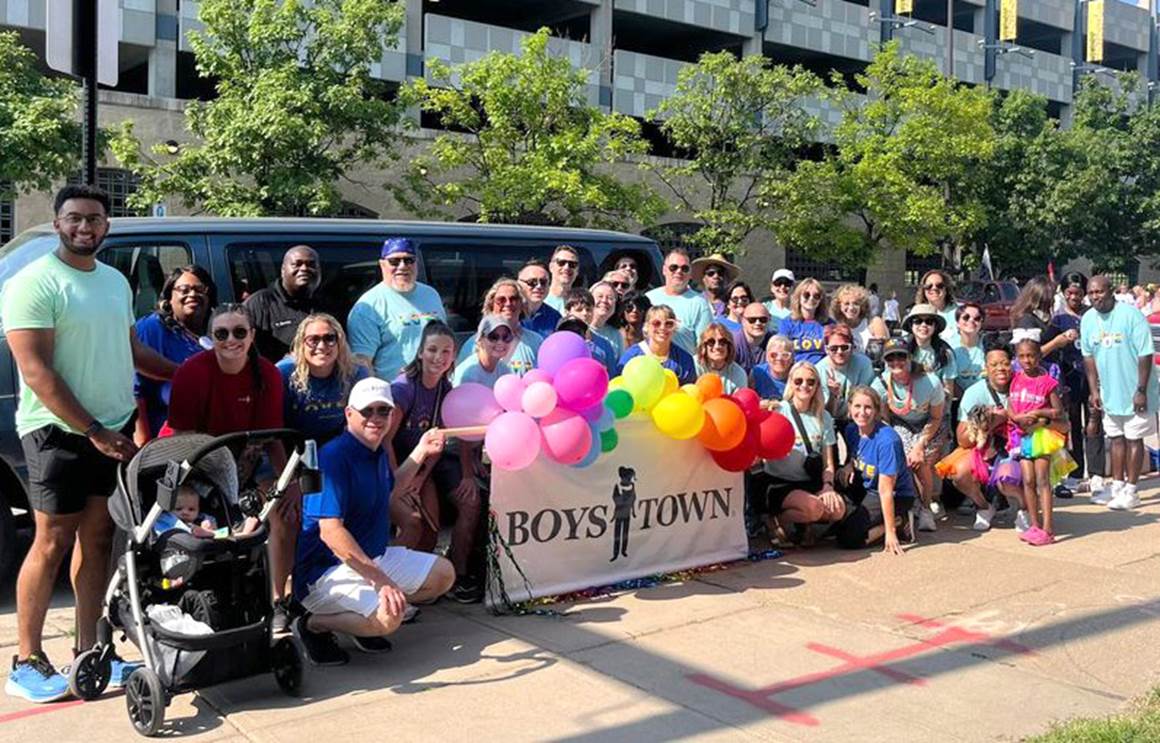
(783, 273)
(368, 391)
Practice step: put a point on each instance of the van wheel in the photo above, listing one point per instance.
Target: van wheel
(7, 541)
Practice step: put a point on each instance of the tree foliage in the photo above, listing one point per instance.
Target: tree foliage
(296, 108)
(523, 144)
(40, 137)
(740, 123)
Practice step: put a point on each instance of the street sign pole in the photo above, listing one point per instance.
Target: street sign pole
(85, 32)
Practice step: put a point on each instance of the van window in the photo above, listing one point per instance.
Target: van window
(146, 266)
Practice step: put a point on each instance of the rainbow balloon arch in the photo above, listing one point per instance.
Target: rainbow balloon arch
(566, 410)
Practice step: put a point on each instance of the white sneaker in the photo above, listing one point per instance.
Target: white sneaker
(936, 509)
(1126, 500)
(926, 520)
(1022, 522)
(1108, 491)
(983, 518)
(1070, 483)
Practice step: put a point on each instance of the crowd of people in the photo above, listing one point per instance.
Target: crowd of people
(899, 418)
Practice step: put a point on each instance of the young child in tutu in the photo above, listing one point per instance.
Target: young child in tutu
(1034, 404)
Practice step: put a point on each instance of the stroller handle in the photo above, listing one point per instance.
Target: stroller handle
(252, 438)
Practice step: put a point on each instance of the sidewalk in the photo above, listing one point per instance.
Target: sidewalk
(967, 637)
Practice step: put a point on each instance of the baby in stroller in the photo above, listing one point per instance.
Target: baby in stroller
(188, 515)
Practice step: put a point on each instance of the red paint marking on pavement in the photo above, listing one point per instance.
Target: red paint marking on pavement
(757, 699)
(1009, 645)
(55, 707)
(854, 663)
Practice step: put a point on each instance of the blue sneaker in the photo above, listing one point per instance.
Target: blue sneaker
(35, 679)
(121, 670)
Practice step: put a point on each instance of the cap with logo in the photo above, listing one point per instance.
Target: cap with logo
(783, 273)
(367, 392)
(491, 322)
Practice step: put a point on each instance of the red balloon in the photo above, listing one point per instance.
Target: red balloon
(750, 404)
(741, 457)
(775, 436)
(725, 425)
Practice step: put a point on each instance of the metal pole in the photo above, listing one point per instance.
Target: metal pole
(85, 33)
(950, 38)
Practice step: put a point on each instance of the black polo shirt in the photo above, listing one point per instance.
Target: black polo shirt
(276, 316)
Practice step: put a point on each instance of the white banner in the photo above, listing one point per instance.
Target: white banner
(652, 505)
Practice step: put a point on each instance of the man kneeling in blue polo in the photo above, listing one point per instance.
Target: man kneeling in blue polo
(346, 575)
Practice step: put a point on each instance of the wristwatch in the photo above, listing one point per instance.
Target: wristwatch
(94, 428)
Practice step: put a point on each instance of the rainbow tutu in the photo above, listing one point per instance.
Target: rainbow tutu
(1043, 442)
(1006, 471)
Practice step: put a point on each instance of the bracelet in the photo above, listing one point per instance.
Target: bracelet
(94, 428)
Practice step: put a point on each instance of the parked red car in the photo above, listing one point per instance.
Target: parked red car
(995, 297)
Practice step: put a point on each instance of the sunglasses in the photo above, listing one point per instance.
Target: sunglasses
(807, 381)
(758, 320)
(782, 354)
(971, 318)
(665, 324)
(326, 339)
(500, 336)
(739, 300)
(381, 411)
(839, 348)
(714, 272)
(811, 295)
(715, 342)
(402, 260)
(679, 268)
(533, 283)
(935, 287)
(240, 332)
(564, 263)
(505, 300)
(925, 321)
(184, 289)
(783, 282)
(619, 284)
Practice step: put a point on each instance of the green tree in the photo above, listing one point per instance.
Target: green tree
(740, 123)
(523, 144)
(40, 137)
(296, 109)
(899, 171)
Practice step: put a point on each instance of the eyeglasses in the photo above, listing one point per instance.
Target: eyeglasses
(839, 348)
(783, 282)
(382, 411)
(184, 289)
(565, 263)
(619, 284)
(715, 342)
(533, 283)
(314, 341)
(679, 268)
(665, 324)
(402, 260)
(811, 295)
(807, 381)
(504, 299)
(971, 318)
(92, 220)
(925, 321)
(714, 272)
(239, 332)
(500, 336)
(758, 320)
(739, 300)
(935, 287)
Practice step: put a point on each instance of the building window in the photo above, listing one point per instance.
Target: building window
(7, 214)
(833, 272)
(675, 235)
(351, 210)
(120, 184)
(917, 265)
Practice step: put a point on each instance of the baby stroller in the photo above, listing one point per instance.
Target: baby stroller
(198, 609)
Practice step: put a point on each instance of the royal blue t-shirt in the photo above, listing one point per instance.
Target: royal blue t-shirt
(807, 337)
(319, 413)
(679, 360)
(173, 345)
(767, 386)
(602, 351)
(356, 487)
(542, 321)
(880, 453)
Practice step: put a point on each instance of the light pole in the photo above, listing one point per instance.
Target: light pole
(950, 68)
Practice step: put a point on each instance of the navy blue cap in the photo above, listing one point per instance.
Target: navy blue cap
(399, 245)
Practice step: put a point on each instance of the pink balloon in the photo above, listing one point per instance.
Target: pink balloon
(750, 404)
(566, 436)
(581, 383)
(513, 441)
(509, 390)
(539, 399)
(470, 404)
(537, 375)
(560, 348)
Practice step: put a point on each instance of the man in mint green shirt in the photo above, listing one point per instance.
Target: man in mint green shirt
(1116, 344)
(693, 312)
(68, 321)
(386, 323)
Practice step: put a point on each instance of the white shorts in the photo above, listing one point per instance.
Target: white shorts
(1131, 427)
(341, 589)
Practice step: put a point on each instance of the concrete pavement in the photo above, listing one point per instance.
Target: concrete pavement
(966, 637)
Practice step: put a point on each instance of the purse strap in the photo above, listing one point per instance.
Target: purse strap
(797, 419)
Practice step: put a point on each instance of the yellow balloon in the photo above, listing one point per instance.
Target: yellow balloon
(672, 384)
(693, 391)
(644, 377)
(616, 383)
(678, 416)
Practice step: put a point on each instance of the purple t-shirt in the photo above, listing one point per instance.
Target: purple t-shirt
(421, 408)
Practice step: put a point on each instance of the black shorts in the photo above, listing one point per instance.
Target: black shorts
(65, 470)
(778, 490)
(853, 531)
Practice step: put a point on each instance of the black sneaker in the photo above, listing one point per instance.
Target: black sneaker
(280, 621)
(371, 644)
(465, 593)
(321, 647)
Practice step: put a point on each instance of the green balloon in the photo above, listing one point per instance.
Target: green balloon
(608, 440)
(620, 402)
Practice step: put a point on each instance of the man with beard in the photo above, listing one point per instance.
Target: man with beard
(276, 310)
(69, 323)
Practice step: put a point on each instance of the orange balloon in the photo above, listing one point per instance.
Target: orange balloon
(710, 385)
(725, 424)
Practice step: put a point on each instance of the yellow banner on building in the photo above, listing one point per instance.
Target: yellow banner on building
(903, 6)
(1095, 31)
(1008, 20)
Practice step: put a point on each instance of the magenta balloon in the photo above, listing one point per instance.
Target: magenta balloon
(560, 348)
(509, 391)
(539, 399)
(565, 436)
(470, 404)
(581, 383)
(513, 441)
(537, 375)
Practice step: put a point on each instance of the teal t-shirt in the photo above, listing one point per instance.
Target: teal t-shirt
(733, 377)
(950, 333)
(470, 370)
(926, 391)
(90, 314)
(978, 394)
(521, 358)
(925, 355)
(775, 313)
(1117, 340)
(693, 315)
(613, 336)
(386, 326)
(859, 370)
(556, 303)
(970, 363)
(792, 468)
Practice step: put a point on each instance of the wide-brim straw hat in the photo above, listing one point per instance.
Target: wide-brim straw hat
(924, 310)
(717, 259)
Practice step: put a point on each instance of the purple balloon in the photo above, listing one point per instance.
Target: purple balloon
(581, 384)
(592, 414)
(560, 348)
(470, 404)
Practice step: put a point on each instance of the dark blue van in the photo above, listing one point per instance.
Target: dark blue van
(460, 260)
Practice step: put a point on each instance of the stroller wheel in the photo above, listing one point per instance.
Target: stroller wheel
(145, 701)
(288, 662)
(89, 675)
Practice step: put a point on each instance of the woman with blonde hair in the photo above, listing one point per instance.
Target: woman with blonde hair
(660, 324)
(850, 306)
(715, 353)
(317, 377)
(807, 321)
(506, 299)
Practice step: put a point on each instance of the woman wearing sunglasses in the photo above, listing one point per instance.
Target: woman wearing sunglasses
(806, 322)
(629, 318)
(176, 330)
(800, 486)
(715, 354)
(490, 347)
(842, 370)
(317, 377)
(772, 375)
(913, 405)
(505, 299)
(738, 296)
(970, 358)
(937, 290)
(851, 307)
(660, 323)
(604, 299)
(927, 347)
